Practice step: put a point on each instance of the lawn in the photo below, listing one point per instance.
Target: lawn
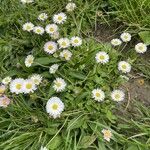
(75, 75)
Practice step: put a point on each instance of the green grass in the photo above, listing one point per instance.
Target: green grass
(25, 125)
(133, 13)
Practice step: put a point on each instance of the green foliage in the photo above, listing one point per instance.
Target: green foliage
(25, 125)
(132, 12)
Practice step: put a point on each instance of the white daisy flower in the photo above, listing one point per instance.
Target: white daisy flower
(53, 68)
(36, 78)
(141, 48)
(2, 89)
(117, 95)
(107, 134)
(6, 80)
(55, 35)
(42, 16)
(51, 28)
(116, 42)
(4, 101)
(50, 47)
(70, 7)
(59, 84)
(126, 37)
(28, 26)
(27, 1)
(98, 95)
(76, 41)
(102, 57)
(29, 86)
(63, 42)
(66, 54)
(16, 85)
(29, 60)
(54, 107)
(38, 30)
(59, 18)
(124, 67)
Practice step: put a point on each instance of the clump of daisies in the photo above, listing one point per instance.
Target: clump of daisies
(59, 85)
(20, 85)
(54, 107)
(70, 6)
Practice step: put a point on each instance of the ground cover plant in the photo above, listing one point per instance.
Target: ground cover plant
(62, 87)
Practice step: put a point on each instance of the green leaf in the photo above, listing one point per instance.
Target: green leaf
(77, 75)
(55, 142)
(145, 36)
(86, 141)
(132, 147)
(76, 122)
(101, 146)
(46, 60)
(51, 131)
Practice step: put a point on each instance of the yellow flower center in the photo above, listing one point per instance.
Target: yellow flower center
(55, 106)
(50, 47)
(30, 61)
(126, 37)
(28, 85)
(107, 134)
(66, 55)
(124, 66)
(98, 94)
(76, 41)
(28, 27)
(117, 96)
(60, 18)
(63, 44)
(2, 90)
(58, 84)
(141, 48)
(101, 57)
(38, 30)
(115, 42)
(18, 86)
(51, 29)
